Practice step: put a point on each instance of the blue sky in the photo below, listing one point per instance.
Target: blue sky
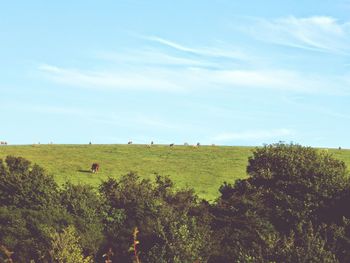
(224, 72)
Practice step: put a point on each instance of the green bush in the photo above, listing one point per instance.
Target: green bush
(289, 186)
(170, 230)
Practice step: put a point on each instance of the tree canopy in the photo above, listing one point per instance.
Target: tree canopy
(292, 207)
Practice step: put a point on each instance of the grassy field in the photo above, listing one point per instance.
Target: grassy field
(204, 168)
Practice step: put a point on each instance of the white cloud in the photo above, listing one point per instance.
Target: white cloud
(268, 79)
(253, 135)
(154, 58)
(193, 79)
(163, 70)
(321, 33)
(172, 44)
(218, 52)
(144, 79)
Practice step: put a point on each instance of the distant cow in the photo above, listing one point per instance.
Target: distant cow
(152, 143)
(198, 144)
(129, 142)
(171, 145)
(95, 167)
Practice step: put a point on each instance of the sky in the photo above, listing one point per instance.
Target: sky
(216, 72)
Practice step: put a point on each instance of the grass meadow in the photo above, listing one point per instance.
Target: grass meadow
(203, 168)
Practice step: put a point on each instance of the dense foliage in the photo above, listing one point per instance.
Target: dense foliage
(293, 207)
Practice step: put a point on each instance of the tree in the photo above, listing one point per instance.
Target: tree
(84, 205)
(298, 182)
(288, 186)
(65, 247)
(29, 204)
(25, 186)
(169, 230)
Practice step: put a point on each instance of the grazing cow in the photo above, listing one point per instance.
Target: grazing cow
(151, 142)
(171, 145)
(198, 144)
(129, 142)
(95, 167)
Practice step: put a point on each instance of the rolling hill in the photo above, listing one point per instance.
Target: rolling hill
(204, 168)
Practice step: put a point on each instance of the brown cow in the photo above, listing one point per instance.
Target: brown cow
(95, 167)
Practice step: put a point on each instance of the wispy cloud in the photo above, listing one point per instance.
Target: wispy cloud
(194, 79)
(110, 80)
(182, 69)
(276, 79)
(153, 57)
(276, 134)
(173, 44)
(219, 52)
(319, 33)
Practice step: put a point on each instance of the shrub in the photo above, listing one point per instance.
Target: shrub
(65, 247)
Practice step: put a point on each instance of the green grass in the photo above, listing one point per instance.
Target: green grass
(204, 168)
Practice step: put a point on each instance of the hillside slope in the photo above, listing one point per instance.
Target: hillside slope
(204, 168)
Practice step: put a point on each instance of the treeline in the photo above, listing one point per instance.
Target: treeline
(293, 207)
